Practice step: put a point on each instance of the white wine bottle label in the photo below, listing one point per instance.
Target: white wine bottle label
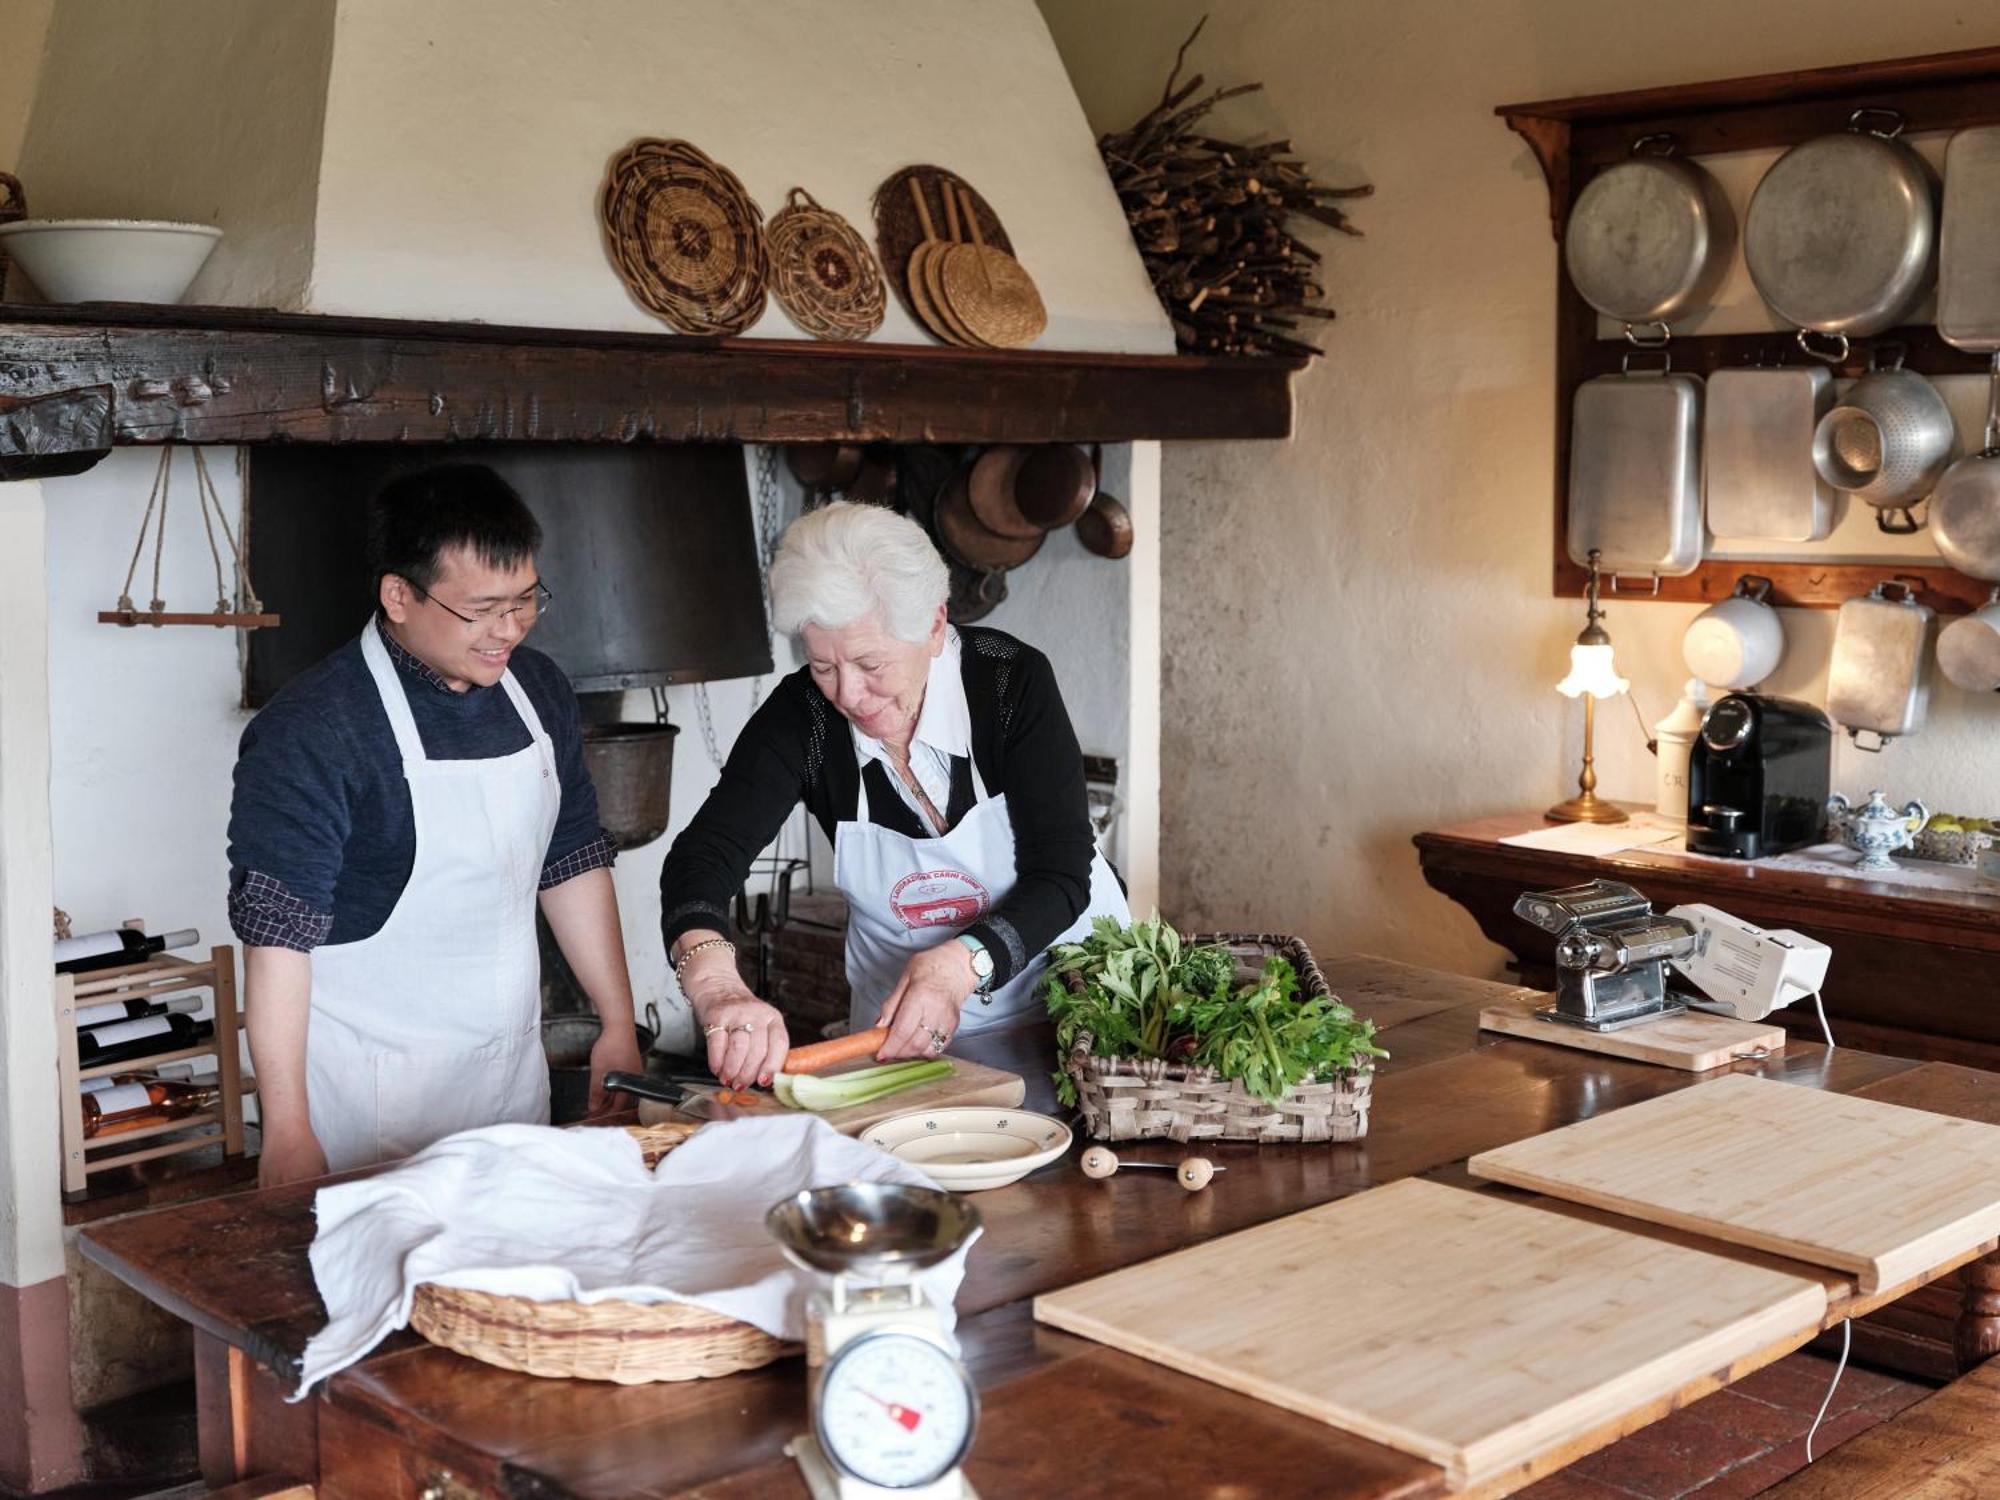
(98, 1015)
(89, 945)
(123, 1096)
(132, 1031)
(96, 1085)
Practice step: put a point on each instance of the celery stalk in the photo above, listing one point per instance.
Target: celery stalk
(862, 1086)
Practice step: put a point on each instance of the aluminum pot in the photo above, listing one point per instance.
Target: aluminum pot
(1649, 238)
(1888, 443)
(1842, 233)
(1965, 507)
(1968, 649)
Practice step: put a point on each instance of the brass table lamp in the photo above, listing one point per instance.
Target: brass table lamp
(1591, 676)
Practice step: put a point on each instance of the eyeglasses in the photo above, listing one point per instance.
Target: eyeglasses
(529, 610)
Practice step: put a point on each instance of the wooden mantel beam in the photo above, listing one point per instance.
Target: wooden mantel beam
(223, 375)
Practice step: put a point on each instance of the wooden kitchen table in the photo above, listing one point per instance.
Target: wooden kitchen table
(1062, 1415)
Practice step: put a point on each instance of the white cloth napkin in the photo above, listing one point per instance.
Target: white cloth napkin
(575, 1215)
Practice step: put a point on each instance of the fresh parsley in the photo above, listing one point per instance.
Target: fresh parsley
(1144, 992)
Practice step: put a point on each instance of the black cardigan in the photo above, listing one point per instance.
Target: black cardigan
(797, 745)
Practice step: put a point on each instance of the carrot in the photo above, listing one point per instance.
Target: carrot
(817, 1056)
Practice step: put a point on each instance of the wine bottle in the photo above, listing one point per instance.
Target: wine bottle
(130, 1106)
(133, 1010)
(181, 1071)
(118, 945)
(124, 1040)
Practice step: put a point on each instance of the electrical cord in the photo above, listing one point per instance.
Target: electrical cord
(1819, 1006)
(1846, 1340)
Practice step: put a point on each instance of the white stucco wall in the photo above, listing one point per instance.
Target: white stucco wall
(206, 113)
(466, 146)
(1360, 641)
(30, 1208)
(24, 24)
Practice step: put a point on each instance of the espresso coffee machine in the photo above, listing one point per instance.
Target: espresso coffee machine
(1758, 777)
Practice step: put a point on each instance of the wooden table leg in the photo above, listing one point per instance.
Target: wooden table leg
(1978, 1330)
(244, 1427)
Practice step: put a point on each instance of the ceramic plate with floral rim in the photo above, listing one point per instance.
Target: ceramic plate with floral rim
(968, 1150)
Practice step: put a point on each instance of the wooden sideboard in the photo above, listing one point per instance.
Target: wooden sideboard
(1915, 971)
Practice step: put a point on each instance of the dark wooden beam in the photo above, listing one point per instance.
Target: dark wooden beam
(219, 375)
(55, 433)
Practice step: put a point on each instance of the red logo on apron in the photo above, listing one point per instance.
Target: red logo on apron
(938, 898)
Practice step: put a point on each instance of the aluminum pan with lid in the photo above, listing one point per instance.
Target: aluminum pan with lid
(1757, 444)
(1841, 237)
(1649, 238)
(1968, 315)
(1635, 474)
(1877, 682)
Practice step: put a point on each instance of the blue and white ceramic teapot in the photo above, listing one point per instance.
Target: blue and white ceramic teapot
(1876, 830)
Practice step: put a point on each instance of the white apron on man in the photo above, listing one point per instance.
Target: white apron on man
(433, 1024)
(907, 894)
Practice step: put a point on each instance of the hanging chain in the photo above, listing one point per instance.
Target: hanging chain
(765, 515)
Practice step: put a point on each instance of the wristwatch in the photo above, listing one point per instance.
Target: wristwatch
(982, 964)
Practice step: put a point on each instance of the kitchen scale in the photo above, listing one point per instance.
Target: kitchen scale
(892, 1409)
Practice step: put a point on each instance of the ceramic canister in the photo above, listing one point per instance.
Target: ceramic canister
(1736, 643)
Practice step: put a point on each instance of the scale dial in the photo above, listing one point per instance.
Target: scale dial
(895, 1410)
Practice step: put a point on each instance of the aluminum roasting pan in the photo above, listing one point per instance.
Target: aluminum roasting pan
(1635, 474)
(1757, 443)
(1969, 244)
(1877, 681)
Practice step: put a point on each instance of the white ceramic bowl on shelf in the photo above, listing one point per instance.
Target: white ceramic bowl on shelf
(967, 1150)
(108, 260)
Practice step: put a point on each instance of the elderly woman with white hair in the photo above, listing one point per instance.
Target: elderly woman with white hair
(941, 764)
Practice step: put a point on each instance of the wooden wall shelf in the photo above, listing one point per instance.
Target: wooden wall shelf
(77, 381)
(1573, 138)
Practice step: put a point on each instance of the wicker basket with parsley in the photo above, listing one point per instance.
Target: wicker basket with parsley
(1225, 1036)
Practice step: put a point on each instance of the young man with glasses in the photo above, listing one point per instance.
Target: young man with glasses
(400, 811)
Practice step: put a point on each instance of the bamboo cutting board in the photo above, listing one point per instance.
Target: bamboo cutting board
(1694, 1040)
(970, 1084)
(1466, 1328)
(1880, 1191)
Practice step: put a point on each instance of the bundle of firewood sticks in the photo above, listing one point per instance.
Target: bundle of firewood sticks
(1211, 221)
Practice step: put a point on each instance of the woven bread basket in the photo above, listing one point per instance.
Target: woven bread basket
(822, 273)
(629, 1343)
(1132, 1099)
(685, 237)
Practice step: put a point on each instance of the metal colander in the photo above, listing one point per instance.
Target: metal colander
(1889, 442)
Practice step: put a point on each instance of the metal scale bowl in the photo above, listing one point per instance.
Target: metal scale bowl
(893, 1411)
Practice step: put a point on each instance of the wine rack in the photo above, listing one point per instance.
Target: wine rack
(155, 979)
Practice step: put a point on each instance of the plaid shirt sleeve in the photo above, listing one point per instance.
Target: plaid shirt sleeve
(598, 854)
(264, 914)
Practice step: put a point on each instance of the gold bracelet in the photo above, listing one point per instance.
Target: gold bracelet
(714, 942)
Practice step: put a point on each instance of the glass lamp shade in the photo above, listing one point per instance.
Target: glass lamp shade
(1591, 671)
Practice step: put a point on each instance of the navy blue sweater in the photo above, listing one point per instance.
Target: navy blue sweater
(321, 837)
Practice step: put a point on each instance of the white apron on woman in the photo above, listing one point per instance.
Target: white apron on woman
(905, 895)
(433, 1024)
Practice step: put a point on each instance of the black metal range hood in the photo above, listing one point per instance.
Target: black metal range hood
(649, 550)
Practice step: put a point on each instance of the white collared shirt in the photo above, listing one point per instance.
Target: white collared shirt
(944, 730)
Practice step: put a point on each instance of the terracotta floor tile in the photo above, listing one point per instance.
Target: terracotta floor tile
(1799, 1383)
(1832, 1433)
(1747, 1480)
(1732, 1411)
(1672, 1457)
(1570, 1485)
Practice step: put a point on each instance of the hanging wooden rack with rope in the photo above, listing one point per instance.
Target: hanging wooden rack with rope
(247, 612)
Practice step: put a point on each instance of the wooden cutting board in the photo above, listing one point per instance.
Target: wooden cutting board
(1693, 1040)
(970, 1083)
(1880, 1191)
(1467, 1328)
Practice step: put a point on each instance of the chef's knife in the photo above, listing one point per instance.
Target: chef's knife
(693, 1101)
